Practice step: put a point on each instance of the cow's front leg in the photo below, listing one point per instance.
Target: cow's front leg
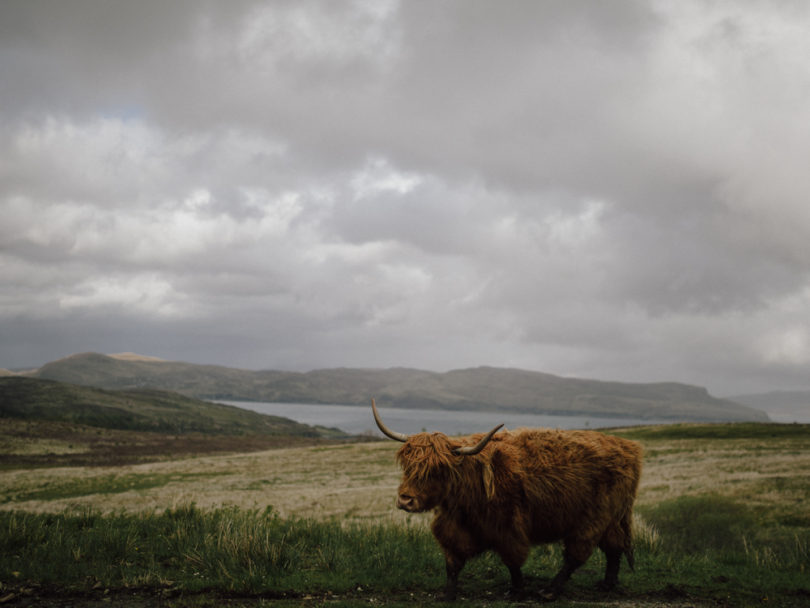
(516, 590)
(514, 554)
(458, 545)
(453, 565)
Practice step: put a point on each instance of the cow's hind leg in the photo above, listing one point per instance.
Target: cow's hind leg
(614, 543)
(614, 558)
(574, 555)
(555, 587)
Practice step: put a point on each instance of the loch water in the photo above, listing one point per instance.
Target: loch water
(358, 420)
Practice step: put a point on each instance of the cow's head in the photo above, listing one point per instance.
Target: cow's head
(434, 465)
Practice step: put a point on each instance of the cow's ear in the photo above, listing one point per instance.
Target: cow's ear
(489, 480)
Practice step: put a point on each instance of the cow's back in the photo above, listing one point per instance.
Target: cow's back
(573, 479)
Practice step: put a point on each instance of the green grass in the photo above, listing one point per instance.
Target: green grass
(230, 550)
(737, 430)
(720, 548)
(708, 549)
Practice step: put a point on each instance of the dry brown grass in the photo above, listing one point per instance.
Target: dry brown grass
(749, 469)
(359, 481)
(352, 481)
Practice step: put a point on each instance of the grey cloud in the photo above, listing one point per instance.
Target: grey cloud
(615, 192)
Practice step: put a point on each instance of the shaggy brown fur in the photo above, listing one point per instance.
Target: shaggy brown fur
(525, 487)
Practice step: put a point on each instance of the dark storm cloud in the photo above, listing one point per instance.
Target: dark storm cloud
(616, 191)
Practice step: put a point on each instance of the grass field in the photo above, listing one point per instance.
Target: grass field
(723, 520)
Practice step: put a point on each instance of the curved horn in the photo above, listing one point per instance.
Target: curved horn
(386, 431)
(473, 450)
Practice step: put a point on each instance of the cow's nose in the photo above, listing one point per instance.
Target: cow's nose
(405, 501)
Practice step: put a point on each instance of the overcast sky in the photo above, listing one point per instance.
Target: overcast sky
(611, 190)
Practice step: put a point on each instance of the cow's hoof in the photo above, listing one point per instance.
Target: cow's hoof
(605, 586)
(549, 595)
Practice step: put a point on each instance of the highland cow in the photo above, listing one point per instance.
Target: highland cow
(509, 491)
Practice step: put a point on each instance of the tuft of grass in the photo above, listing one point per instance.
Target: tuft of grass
(233, 550)
(723, 548)
(706, 548)
(708, 524)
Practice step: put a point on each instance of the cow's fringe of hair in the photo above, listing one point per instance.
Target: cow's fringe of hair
(425, 454)
(430, 457)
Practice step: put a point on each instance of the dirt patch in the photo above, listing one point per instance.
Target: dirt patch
(53, 597)
(168, 598)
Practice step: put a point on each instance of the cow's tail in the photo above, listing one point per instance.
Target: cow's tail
(627, 520)
(627, 529)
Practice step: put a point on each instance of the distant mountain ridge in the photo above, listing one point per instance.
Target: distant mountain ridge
(483, 388)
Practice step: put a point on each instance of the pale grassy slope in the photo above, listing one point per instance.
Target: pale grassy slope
(358, 482)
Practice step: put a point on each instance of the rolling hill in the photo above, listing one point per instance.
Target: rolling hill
(484, 388)
(148, 410)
